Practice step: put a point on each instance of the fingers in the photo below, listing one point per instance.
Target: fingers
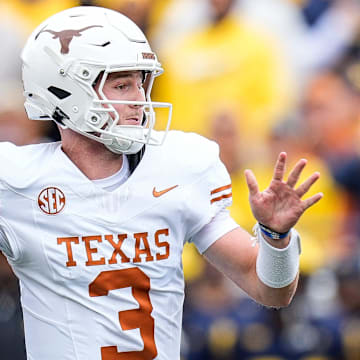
(306, 185)
(296, 172)
(312, 200)
(280, 167)
(251, 182)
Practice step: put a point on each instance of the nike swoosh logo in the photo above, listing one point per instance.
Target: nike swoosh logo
(162, 192)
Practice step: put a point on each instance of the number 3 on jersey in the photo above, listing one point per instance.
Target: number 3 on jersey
(129, 319)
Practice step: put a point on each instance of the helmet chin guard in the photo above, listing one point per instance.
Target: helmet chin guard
(68, 53)
(121, 143)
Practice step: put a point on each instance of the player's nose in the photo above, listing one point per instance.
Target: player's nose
(138, 95)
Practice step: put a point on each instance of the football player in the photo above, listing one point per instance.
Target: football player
(94, 225)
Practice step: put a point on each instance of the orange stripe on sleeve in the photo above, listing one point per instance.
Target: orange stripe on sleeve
(221, 197)
(220, 189)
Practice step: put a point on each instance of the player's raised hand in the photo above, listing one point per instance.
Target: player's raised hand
(280, 206)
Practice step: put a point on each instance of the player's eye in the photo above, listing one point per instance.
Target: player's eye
(122, 86)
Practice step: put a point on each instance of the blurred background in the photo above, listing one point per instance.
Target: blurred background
(258, 77)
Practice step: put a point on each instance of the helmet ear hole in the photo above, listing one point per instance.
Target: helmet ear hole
(59, 93)
(59, 116)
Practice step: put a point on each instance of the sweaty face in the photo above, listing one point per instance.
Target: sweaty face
(125, 86)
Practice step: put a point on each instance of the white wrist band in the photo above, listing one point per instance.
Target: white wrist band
(275, 267)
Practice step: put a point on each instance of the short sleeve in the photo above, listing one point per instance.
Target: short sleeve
(209, 196)
(219, 225)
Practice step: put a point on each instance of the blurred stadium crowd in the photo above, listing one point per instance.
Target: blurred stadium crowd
(257, 76)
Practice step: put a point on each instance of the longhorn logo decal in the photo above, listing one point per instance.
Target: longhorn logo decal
(66, 36)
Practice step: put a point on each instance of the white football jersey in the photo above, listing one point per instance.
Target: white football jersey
(101, 272)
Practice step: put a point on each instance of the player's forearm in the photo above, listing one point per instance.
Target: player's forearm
(276, 297)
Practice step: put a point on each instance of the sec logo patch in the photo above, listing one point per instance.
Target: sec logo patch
(51, 200)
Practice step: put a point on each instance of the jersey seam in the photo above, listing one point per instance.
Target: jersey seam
(9, 188)
(70, 330)
(42, 318)
(53, 275)
(48, 263)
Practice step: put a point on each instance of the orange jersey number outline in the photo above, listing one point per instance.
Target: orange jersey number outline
(129, 319)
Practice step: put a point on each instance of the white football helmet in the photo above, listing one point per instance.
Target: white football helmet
(67, 54)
